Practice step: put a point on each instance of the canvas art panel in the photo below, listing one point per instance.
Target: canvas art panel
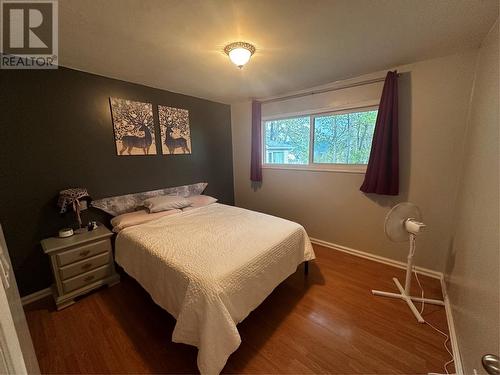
(133, 127)
(175, 132)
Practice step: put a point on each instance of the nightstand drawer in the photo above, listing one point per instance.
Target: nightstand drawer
(84, 265)
(83, 252)
(86, 278)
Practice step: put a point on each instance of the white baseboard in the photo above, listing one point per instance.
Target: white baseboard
(377, 258)
(36, 296)
(451, 327)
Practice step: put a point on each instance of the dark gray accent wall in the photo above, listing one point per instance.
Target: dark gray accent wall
(56, 132)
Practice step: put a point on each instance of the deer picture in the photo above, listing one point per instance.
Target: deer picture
(173, 143)
(131, 141)
(131, 120)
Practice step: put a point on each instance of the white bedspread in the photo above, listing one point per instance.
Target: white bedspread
(210, 267)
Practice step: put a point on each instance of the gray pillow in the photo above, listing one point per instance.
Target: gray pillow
(165, 202)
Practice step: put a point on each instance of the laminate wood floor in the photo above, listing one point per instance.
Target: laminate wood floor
(327, 322)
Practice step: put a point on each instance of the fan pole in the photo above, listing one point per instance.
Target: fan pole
(409, 264)
(404, 294)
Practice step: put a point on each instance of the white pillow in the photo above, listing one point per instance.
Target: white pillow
(199, 201)
(137, 217)
(165, 202)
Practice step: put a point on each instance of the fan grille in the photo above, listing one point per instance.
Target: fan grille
(395, 219)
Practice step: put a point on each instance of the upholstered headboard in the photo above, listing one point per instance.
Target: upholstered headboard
(121, 204)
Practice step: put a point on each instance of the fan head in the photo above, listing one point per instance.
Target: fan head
(395, 221)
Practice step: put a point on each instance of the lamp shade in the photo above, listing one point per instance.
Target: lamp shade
(70, 197)
(240, 56)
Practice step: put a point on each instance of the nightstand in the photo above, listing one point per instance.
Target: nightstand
(80, 263)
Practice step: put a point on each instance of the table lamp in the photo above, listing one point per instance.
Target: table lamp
(71, 198)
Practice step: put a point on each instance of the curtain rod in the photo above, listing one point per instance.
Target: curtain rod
(320, 91)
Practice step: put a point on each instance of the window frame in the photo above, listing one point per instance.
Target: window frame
(311, 165)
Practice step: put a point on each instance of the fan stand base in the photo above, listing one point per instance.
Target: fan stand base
(409, 299)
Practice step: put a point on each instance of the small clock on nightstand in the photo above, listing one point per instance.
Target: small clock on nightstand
(80, 263)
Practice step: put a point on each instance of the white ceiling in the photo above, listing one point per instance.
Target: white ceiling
(177, 44)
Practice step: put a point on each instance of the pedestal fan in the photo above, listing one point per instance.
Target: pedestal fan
(403, 223)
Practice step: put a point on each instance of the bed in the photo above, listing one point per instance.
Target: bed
(209, 267)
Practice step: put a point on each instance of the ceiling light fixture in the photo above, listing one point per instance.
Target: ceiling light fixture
(239, 53)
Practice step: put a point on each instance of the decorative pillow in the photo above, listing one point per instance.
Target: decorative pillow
(128, 203)
(138, 217)
(165, 202)
(199, 201)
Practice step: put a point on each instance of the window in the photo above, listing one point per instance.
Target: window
(287, 141)
(328, 141)
(344, 138)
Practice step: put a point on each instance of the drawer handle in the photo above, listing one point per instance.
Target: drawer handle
(86, 266)
(88, 278)
(84, 253)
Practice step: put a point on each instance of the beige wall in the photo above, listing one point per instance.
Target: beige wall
(434, 97)
(472, 271)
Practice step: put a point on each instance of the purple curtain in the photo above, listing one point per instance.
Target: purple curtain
(256, 155)
(382, 173)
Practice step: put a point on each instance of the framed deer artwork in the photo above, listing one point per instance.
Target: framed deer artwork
(133, 127)
(174, 129)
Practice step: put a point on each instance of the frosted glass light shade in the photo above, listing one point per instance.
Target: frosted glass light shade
(239, 53)
(239, 56)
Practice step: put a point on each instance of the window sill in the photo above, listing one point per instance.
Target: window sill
(356, 169)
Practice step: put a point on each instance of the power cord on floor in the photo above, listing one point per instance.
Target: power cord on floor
(436, 329)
